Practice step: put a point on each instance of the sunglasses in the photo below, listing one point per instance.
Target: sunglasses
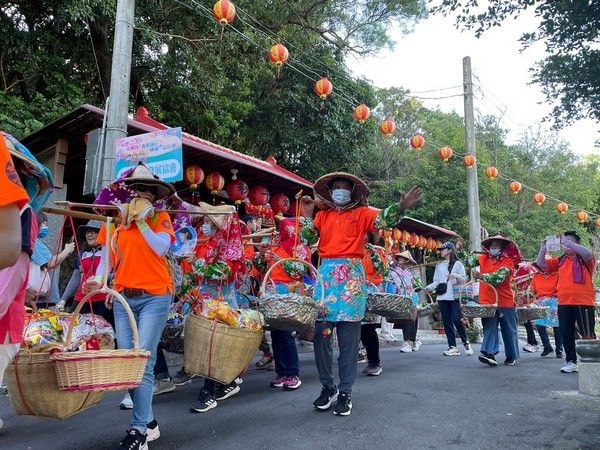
(144, 188)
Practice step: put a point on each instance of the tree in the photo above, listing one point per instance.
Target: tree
(570, 31)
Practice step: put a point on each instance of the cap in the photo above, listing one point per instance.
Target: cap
(448, 246)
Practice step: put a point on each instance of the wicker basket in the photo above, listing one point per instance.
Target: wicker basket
(480, 310)
(33, 390)
(217, 351)
(527, 313)
(101, 370)
(391, 306)
(290, 312)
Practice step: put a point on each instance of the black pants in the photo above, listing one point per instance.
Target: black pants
(161, 369)
(370, 340)
(452, 316)
(531, 340)
(409, 329)
(568, 316)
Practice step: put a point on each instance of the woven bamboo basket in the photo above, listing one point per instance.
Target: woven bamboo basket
(531, 312)
(101, 370)
(33, 389)
(291, 312)
(480, 310)
(217, 351)
(391, 306)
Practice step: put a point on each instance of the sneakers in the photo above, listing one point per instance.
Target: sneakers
(488, 358)
(134, 440)
(224, 392)
(570, 367)
(126, 403)
(278, 382)
(559, 353)
(547, 351)
(374, 371)
(468, 349)
(182, 377)
(326, 399)
(264, 362)
(406, 347)
(239, 381)
(530, 348)
(362, 357)
(205, 402)
(343, 407)
(452, 351)
(291, 383)
(416, 345)
(163, 386)
(152, 431)
(510, 362)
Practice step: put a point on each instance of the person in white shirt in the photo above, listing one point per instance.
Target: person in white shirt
(450, 273)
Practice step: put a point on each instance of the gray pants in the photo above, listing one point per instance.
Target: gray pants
(348, 335)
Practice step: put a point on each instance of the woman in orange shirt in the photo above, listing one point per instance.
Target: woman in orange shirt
(543, 284)
(576, 296)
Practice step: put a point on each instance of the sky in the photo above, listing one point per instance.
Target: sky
(431, 58)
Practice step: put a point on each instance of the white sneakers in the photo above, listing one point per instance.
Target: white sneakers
(452, 351)
(416, 345)
(570, 367)
(126, 403)
(530, 348)
(406, 347)
(468, 349)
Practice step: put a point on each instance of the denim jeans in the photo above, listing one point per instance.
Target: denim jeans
(507, 319)
(150, 313)
(543, 332)
(285, 353)
(451, 316)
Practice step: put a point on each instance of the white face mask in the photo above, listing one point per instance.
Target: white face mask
(341, 196)
(207, 229)
(495, 252)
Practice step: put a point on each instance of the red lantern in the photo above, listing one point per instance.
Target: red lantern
(422, 242)
(515, 187)
(539, 199)
(405, 237)
(414, 240)
(280, 203)
(445, 153)
(323, 88)
(259, 196)
(562, 208)
(582, 216)
(417, 141)
(397, 235)
(387, 127)
(279, 55)
(224, 12)
(193, 175)
(470, 161)
(237, 191)
(598, 223)
(362, 113)
(491, 172)
(214, 182)
(431, 245)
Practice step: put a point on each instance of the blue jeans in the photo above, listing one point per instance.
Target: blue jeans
(507, 319)
(150, 313)
(543, 332)
(285, 353)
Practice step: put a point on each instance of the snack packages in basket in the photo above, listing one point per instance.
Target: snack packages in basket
(221, 311)
(91, 332)
(42, 332)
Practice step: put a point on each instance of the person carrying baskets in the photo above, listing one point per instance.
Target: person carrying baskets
(544, 287)
(497, 266)
(341, 225)
(141, 275)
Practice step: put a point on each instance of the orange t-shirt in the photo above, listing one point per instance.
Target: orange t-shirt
(370, 274)
(140, 267)
(506, 295)
(250, 254)
(11, 189)
(570, 293)
(342, 233)
(544, 284)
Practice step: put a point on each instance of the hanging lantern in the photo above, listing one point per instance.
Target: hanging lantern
(515, 187)
(422, 242)
(224, 12)
(280, 203)
(362, 113)
(445, 153)
(470, 161)
(539, 199)
(431, 245)
(323, 88)
(193, 175)
(397, 236)
(279, 55)
(405, 237)
(259, 196)
(582, 216)
(214, 182)
(598, 223)
(387, 127)
(562, 208)
(414, 240)
(491, 172)
(237, 191)
(417, 141)
(438, 244)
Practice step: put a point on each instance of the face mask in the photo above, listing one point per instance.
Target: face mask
(43, 232)
(341, 196)
(207, 229)
(495, 252)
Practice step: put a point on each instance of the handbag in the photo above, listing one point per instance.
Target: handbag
(39, 280)
(442, 288)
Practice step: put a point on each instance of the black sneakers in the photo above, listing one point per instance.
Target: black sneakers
(510, 361)
(134, 441)
(343, 407)
(488, 358)
(206, 401)
(547, 351)
(326, 399)
(224, 392)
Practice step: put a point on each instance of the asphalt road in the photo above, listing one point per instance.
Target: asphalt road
(421, 401)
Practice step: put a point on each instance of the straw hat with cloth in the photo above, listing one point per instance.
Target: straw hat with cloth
(358, 194)
(218, 215)
(509, 248)
(407, 256)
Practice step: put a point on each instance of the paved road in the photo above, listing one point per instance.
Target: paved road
(422, 401)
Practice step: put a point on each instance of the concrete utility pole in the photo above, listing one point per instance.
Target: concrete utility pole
(120, 76)
(472, 181)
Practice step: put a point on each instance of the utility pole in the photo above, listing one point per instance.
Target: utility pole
(472, 181)
(120, 76)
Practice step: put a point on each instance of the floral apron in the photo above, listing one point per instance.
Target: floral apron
(552, 304)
